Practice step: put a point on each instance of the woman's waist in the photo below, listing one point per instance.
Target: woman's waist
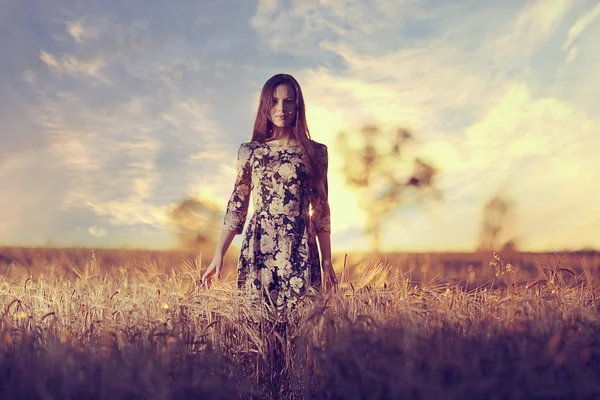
(266, 214)
(292, 208)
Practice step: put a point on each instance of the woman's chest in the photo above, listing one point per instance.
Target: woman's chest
(280, 171)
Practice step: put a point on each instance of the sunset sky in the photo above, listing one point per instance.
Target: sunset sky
(112, 112)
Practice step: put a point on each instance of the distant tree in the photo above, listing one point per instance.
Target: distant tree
(195, 222)
(510, 247)
(497, 228)
(376, 168)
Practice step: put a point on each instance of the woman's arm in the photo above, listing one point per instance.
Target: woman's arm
(329, 278)
(322, 220)
(216, 265)
(324, 239)
(224, 242)
(319, 198)
(237, 207)
(235, 214)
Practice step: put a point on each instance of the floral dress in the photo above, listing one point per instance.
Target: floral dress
(279, 258)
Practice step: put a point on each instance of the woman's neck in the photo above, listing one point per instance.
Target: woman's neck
(282, 135)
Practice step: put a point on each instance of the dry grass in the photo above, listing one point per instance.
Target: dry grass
(144, 330)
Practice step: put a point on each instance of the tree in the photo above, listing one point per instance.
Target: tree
(196, 222)
(375, 168)
(498, 225)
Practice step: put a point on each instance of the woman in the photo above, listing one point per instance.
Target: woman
(286, 172)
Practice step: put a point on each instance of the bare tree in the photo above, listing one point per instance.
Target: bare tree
(376, 168)
(497, 228)
(195, 222)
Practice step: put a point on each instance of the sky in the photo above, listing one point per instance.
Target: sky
(112, 113)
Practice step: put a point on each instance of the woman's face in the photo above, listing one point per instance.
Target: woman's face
(283, 107)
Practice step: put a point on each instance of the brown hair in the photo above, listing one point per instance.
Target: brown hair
(263, 127)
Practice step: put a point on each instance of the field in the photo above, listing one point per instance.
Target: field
(124, 324)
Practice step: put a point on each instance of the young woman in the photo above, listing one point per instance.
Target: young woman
(286, 173)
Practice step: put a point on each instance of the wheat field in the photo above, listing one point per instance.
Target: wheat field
(117, 325)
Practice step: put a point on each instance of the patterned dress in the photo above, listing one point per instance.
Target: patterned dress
(279, 258)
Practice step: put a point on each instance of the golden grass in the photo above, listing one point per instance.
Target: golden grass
(147, 330)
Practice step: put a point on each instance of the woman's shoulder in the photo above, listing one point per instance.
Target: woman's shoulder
(246, 150)
(251, 145)
(319, 148)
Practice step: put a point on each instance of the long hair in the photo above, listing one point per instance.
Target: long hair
(263, 127)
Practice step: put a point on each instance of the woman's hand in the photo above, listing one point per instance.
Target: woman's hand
(329, 278)
(214, 267)
(216, 264)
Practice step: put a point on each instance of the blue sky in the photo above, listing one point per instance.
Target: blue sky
(113, 112)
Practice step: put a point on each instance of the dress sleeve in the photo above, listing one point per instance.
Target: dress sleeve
(237, 207)
(319, 195)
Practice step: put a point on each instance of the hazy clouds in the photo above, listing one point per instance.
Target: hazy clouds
(114, 113)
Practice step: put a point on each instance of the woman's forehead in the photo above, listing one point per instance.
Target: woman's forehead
(283, 90)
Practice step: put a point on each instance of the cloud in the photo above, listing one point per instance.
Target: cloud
(476, 106)
(577, 29)
(302, 26)
(581, 25)
(133, 149)
(267, 6)
(31, 196)
(133, 110)
(539, 19)
(538, 151)
(111, 154)
(77, 30)
(546, 148)
(28, 76)
(130, 114)
(70, 65)
(97, 231)
(572, 53)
